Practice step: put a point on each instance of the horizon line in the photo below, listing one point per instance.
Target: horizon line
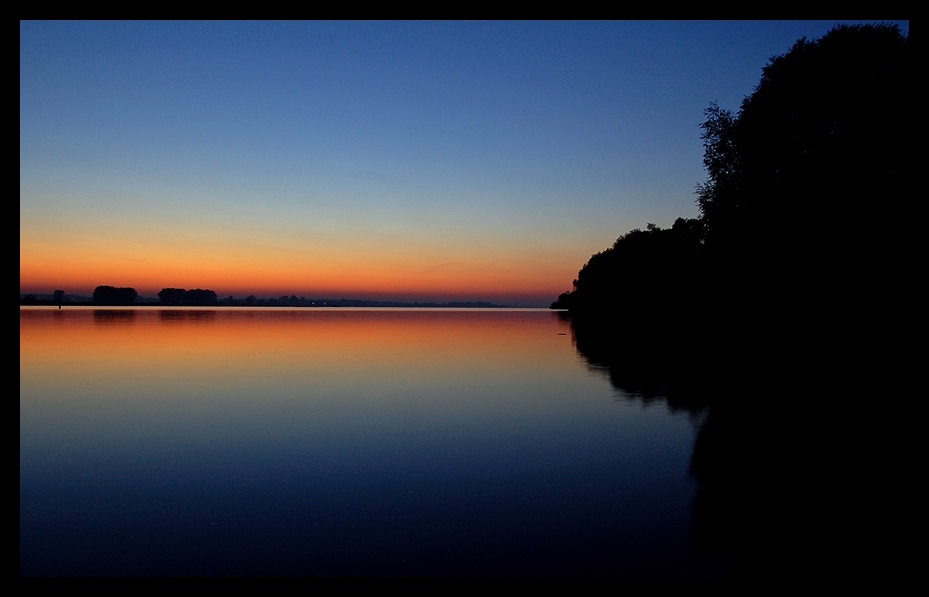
(154, 300)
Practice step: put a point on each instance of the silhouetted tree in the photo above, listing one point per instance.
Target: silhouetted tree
(172, 296)
(112, 296)
(816, 165)
(198, 297)
(59, 297)
(806, 183)
(644, 278)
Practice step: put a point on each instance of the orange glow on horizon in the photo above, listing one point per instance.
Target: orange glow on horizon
(270, 260)
(470, 279)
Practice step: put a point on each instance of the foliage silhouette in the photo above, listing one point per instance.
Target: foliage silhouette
(643, 277)
(786, 242)
(804, 184)
(172, 296)
(113, 296)
(778, 307)
(179, 296)
(816, 157)
(199, 297)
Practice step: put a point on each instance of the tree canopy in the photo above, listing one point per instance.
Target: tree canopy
(644, 271)
(194, 297)
(113, 296)
(805, 182)
(821, 147)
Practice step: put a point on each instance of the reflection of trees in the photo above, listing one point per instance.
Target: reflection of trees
(775, 466)
(187, 315)
(641, 359)
(111, 316)
(730, 462)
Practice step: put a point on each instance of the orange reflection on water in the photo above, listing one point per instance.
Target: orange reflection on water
(118, 351)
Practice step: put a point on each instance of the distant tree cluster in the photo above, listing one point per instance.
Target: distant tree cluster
(181, 297)
(113, 296)
(58, 298)
(107, 295)
(293, 301)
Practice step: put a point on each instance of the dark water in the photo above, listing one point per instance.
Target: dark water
(266, 442)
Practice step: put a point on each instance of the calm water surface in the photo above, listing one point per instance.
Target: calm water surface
(341, 442)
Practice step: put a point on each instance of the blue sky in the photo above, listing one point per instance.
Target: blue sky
(409, 160)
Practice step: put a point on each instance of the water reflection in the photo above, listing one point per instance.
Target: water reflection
(113, 316)
(341, 442)
(187, 315)
(768, 461)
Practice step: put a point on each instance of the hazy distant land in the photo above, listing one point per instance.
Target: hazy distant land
(74, 300)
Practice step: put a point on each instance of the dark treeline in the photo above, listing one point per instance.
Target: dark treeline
(807, 185)
(780, 311)
(195, 297)
(803, 221)
(113, 296)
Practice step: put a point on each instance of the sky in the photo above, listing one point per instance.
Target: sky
(392, 160)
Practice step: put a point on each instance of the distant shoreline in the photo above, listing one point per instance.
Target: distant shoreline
(48, 301)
